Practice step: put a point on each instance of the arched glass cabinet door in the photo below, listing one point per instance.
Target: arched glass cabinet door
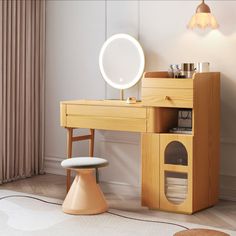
(176, 154)
(176, 183)
(176, 172)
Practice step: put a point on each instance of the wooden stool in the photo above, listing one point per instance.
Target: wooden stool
(70, 139)
(200, 232)
(85, 196)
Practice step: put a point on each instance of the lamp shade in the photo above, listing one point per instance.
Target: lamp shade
(203, 18)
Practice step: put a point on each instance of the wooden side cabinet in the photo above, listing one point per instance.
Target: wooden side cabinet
(180, 172)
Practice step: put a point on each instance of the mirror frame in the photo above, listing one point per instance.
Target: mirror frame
(140, 52)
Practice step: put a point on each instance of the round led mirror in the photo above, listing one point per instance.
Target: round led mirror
(121, 61)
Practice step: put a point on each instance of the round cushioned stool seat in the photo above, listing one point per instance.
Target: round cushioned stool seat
(84, 162)
(85, 196)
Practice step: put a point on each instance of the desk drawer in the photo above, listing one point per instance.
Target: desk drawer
(107, 111)
(107, 123)
(167, 92)
(123, 118)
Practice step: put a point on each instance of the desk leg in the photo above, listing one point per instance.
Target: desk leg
(91, 146)
(69, 155)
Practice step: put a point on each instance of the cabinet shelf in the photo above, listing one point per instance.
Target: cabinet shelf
(176, 168)
(167, 120)
(179, 135)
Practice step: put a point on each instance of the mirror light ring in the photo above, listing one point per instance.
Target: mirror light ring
(142, 61)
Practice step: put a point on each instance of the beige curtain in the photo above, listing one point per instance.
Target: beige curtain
(22, 45)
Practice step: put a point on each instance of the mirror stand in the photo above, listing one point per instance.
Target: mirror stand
(122, 94)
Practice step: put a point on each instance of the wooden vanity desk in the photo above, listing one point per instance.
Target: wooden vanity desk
(162, 97)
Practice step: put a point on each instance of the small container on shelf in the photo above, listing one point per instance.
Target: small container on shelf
(187, 70)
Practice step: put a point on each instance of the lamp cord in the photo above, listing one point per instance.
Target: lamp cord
(109, 212)
(35, 198)
(149, 221)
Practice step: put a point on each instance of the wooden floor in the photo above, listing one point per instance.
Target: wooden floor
(222, 215)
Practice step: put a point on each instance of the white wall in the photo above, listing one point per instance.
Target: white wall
(75, 32)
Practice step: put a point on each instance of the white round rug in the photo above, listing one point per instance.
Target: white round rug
(25, 216)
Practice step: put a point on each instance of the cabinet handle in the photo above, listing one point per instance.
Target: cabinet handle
(167, 98)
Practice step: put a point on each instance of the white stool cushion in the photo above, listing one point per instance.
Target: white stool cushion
(84, 162)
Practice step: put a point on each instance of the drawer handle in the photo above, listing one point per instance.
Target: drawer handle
(167, 98)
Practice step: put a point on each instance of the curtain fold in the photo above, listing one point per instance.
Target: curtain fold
(22, 58)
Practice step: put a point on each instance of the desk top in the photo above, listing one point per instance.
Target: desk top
(113, 103)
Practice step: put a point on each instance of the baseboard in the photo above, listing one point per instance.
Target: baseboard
(120, 189)
(228, 140)
(52, 165)
(227, 183)
(228, 187)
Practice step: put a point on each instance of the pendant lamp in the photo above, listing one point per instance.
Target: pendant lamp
(203, 18)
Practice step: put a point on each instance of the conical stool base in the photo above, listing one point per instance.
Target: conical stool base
(85, 196)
